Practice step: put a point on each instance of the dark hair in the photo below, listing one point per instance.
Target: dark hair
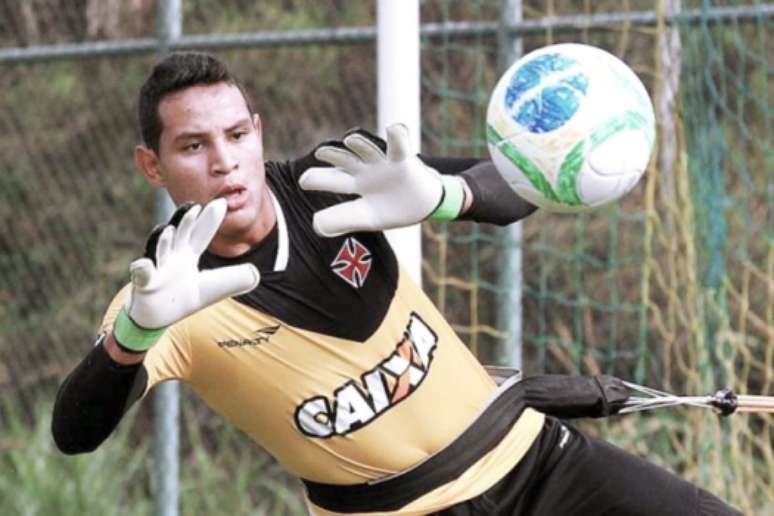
(178, 71)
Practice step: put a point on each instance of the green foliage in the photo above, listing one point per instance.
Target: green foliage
(222, 471)
(37, 480)
(672, 287)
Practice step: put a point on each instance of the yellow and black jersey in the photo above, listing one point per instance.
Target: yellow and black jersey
(337, 363)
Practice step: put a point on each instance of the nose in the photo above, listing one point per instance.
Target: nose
(222, 158)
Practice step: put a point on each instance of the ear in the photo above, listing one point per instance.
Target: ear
(147, 162)
(257, 124)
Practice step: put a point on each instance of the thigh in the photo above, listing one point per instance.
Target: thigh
(593, 477)
(567, 473)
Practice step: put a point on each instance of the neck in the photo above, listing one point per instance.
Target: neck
(230, 245)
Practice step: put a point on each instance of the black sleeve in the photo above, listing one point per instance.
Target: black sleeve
(567, 396)
(93, 399)
(450, 166)
(494, 201)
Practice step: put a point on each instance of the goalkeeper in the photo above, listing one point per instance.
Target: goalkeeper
(274, 295)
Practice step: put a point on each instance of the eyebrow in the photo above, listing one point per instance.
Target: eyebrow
(198, 134)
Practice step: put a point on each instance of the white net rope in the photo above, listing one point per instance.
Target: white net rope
(724, 401)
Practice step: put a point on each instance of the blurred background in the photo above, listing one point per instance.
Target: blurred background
(671, 288)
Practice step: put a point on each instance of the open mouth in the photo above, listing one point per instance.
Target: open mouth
(235, 196)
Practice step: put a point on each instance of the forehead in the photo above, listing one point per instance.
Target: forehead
(202, 107)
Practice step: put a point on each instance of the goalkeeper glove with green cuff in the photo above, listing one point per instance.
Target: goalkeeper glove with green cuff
(452, 200)
(395, 187)
(167, 285)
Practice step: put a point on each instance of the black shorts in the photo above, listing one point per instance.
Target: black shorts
(566, 473)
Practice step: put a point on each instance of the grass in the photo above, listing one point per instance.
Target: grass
(37, 480)
(222, 472)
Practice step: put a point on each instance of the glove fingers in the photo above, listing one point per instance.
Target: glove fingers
(328, 179)
(164, 245)
(366, 150)
(207, 225)
(338, 157)
(347, 217)
(217, 284)
(141, 272)
(184, 229)
(398, 142)
(181, 210)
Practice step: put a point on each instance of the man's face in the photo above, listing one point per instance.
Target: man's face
(210, 146)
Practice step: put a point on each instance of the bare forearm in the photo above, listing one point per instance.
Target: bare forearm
(119, 354)
(468, 199)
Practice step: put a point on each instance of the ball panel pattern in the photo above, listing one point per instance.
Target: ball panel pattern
(570, 127)
(540, 104)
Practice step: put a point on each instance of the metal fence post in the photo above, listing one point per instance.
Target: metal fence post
(509, 305)
(166, 401)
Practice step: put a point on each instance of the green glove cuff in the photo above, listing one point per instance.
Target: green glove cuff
(134, 337)
(452, 201)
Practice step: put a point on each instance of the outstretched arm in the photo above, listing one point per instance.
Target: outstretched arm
(396, 188)
(96, 395)
(488, 198)
(166, 287)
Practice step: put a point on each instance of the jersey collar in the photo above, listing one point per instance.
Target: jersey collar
(283, 253)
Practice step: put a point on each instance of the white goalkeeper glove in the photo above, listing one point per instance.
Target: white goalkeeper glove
(396, 189)
(173, 287)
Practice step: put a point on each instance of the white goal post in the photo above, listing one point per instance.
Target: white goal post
(397, 55)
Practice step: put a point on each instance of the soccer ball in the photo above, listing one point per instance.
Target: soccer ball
(570, 127)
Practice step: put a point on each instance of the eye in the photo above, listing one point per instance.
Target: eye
(192, 147)
(239, 134)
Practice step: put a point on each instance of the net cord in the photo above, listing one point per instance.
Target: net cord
(653, 398)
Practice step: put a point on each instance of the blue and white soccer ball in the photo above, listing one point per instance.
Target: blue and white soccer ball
(570, 127)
